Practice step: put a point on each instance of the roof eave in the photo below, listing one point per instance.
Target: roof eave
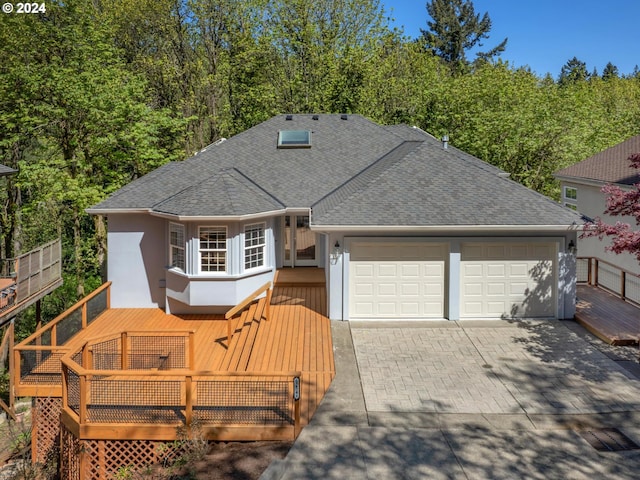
(446, 228)
(218, 218)
(107, 211)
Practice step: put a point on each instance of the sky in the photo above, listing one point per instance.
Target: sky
(545, 34)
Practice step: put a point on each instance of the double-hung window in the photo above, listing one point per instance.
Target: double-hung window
(176, 246)
(213, 249)
(570, 197)
(254, 245)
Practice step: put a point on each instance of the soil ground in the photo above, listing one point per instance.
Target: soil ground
(234, 461)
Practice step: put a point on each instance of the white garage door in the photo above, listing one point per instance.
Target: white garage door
(508, 280)
(397, 280)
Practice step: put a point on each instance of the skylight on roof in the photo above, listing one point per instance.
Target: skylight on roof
(294, 139)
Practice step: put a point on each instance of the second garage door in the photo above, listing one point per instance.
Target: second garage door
(397, 280)
(508, 280)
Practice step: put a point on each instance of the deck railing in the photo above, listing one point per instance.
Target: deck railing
(103, 394)
(600, 273)
(29, 274)
(39, 355)
(245, 303)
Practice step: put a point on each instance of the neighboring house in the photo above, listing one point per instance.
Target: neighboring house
(581, 186)
(405, 226)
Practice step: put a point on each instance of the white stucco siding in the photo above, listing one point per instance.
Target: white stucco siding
(592, 203)
(137, 260)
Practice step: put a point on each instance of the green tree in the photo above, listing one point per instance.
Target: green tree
(454, 29)
(573, 71)
(610, 71)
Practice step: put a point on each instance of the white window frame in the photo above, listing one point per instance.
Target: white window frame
(218, 249)
(570, 201)
(255, 246)
(177, 250)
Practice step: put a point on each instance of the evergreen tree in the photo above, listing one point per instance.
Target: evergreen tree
(573, 71)
(610, 71)
(455, 29)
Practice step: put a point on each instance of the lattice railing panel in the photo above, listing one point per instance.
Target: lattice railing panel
(106, 459)
(254, 402)
(70, 456)
(42, 367)
(135, 401)
(46, 426)
(161, 352)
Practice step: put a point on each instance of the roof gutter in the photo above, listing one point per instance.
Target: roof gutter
(219, 218)
(447, 228)
(107, 211)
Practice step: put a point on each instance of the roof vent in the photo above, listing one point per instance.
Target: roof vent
(343, 117)
(445, 141)
(315, 117)
(289, 117)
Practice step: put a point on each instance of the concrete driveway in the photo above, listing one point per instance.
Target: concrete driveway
(470, 400)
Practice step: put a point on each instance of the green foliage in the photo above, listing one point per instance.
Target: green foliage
(96, 94)
(454, 29)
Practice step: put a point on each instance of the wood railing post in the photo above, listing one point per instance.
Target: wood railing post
(87, 357)
(192, 351)
(124, 349)
(297, 389)
(623, 284)
(595, 273)
(108, 296)
(13, 361)
(82, 410)
(65, 386)
(188, 411)
(84, 315)
(267, 307)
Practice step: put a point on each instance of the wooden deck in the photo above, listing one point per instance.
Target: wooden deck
(607, 316)
(295, 338)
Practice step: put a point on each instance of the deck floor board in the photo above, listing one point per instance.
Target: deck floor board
(607, 316)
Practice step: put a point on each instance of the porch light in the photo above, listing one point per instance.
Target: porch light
(571, 248)
(335, 252)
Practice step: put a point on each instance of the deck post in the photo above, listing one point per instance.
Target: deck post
(267, 307)
(82, 413)
(188, 411)
(84, 315)
(124, 348)
(595, 273)
(623, 285)
(297, 387)
(192, 350)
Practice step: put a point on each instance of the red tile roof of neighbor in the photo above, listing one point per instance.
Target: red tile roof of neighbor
(608, 166)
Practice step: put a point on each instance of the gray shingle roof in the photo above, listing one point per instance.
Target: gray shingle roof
(608, 166)
(355, 173)
(228, 193)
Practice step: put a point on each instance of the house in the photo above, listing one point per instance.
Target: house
(581, 186)
(404, 225)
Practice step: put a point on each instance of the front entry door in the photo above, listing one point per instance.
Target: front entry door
(299, 242)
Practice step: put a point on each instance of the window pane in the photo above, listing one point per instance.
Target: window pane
(254, 243)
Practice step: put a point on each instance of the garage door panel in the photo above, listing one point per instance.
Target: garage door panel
(403, 280)
(387, 289)
(496, 289)
(412, 270)
(387, 270)
(495, 270)
(410, 289)
(513, 285)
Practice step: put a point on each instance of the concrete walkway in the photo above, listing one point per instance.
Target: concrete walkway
(469, 400)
